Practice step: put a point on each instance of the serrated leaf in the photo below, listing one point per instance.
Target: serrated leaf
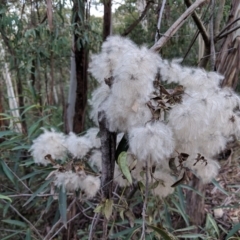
(15, 222)
(62, 204)
(108, 207)
(122, 162)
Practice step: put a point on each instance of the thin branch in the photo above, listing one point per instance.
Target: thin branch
(27, 221)
(19, 179)
(230, 49)
(145, 205)
(213, 52)
(225, 28)
(191, 44)
(174, 28)
(159, 20)
(93, 225)
(199, 24)
(38, 195)
(62, 227)
(134, 24)
(47, 237)
(228, 32)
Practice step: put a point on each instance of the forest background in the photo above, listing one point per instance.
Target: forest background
(45, 50)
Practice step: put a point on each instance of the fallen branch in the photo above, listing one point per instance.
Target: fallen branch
(174, 28)
(199, 24)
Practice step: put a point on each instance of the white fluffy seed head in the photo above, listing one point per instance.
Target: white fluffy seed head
(99, 95)
(205, 170)
(153, 141)
(69, 180)
(78, 146)
(165, 181)
(122, 116)
(92, 136)
(49, 142)
(91, 185)
(96, 159)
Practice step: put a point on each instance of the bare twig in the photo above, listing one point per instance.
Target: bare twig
(27, 221)
(174, 28)
(199, 24)
(213, 52)
(159, 20)
(38, 195)
(145, 206)
(62, 227)
(47, 237)
(228, 32)
(225, 28)
(19, 179)
(134, 24)
(93, 225)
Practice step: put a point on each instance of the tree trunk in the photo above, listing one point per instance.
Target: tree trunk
(107, 18)
(81, 60)
(228, 60)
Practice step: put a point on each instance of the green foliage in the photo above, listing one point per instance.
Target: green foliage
(33, 52)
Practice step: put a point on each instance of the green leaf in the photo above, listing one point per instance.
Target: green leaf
(192, 235)
(28, 234)
(98, 209)
(35, 126)
(11, 235)
(108, 207)
(129, 231)
(30, 107)
(62, 203)
(41, 189)
(211, 220)
(181, 211)
(219, 187)
(122, 147)
(122, 162)
(15, 222)
(7, 133)
(235, 229)
(190, 228)
(7, 171)
(163, 232)
(5, 198)
(190, 188)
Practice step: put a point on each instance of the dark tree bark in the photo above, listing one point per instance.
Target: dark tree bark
(108, 148)
(107, 18)
(81, 59)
